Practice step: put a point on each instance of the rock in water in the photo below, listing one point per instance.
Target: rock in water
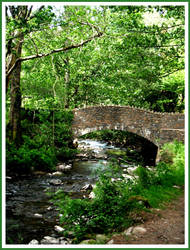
(91, 195)
(57, 173)
(58, 228)
(87, 187)
(36, 215)
(48, 240)
(63, 242)
(55, 182)
(33, 242)
(63, 167)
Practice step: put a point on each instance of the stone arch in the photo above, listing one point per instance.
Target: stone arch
(156, 127)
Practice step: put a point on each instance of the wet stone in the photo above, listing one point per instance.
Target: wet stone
(63, 167)
(128, 231)
(27, 196)
(55, 182)
(33, 242)
(49, 240)
(139, 230)
(58, 228)
(87, 187)
(36, 215)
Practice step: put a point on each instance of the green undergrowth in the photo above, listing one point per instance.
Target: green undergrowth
(46, 140)
(115, 198)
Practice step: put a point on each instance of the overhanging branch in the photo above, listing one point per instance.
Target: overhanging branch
(22, 59)
(162, 76)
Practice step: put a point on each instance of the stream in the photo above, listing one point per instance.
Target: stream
(30, 214)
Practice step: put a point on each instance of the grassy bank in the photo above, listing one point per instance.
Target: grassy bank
(115, 198)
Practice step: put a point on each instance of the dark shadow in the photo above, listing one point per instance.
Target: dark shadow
(139, 149)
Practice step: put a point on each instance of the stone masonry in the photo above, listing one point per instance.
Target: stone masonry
(158, 128)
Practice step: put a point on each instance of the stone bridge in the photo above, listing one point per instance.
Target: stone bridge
(157, 128)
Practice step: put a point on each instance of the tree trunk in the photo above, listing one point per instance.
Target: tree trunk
(15, 108)
(67, 81)
(15, 94)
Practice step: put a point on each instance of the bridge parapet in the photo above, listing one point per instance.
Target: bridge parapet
(154, 126)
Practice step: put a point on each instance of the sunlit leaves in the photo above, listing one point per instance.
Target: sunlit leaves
(121, 67)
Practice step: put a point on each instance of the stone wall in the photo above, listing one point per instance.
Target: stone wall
(156, 127)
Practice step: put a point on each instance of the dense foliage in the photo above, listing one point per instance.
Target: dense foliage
(130, 64)
(46, 140)
(59, 59)
(86, 55)
(62, 58)
(115, 197)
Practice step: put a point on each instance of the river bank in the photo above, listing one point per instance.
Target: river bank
(30, 214)
(33, 218)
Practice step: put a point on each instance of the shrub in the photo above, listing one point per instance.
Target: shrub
(177, 166)
(168, 172)
(107, 211)
(25, 158)
(46, 139)
(115, 198)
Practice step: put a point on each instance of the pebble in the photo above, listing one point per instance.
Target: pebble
(63, 167)
(127, 176)
(101, 238)
(55, 182)
(8, 178)
(134, 230)
(63, 242)
(49, 240)
(89, 241)
(57, 173)
(139, 230)
(36, 215)
(87, 187)
(33, 242)
(128, 231)
(110, 242)
(92, 195)
(58, 228)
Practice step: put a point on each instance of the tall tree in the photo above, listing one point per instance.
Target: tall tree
(22, 24)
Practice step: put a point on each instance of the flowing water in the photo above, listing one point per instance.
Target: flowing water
(30, 214)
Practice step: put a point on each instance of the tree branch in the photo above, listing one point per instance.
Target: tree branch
(32, 16)
(171, 73)
(29, 12)
(34, 44)
(90, 25)
(22, 59)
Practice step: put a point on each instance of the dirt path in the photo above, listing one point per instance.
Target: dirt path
(163, 226)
